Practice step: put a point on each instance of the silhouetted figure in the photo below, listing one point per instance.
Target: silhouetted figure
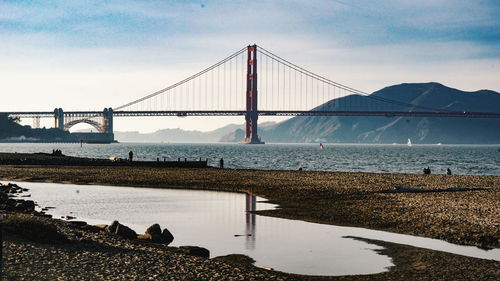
(299, 169)
(221, 163)
(427, 171)
(448, 171)
(130, 156)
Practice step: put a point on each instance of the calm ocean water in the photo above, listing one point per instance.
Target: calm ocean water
(461, 159)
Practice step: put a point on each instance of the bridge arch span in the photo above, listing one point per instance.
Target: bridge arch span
(100, 128)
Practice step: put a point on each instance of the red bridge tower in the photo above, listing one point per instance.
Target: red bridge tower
(252, 113)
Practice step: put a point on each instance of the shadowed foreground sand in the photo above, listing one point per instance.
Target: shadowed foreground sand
(460, 209)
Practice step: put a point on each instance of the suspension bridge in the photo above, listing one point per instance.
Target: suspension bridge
(251, 82)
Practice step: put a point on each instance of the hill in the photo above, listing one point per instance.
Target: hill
(428, 130)
(177, 135)
(11, 131)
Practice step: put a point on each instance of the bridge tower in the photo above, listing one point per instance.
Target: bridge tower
(252, 113)
(108, 120)
(59, 118)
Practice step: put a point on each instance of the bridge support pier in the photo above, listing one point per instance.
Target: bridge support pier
(59, 118)
(108, 120)
(251, 114)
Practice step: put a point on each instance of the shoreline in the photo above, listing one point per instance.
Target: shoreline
(410, 263)
(459, 209)
(375, 202)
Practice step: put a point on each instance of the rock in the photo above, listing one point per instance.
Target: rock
(78, 223)
(42, 214)
(167, 237)
(195, 251)
(13, 185)
(24, 206)
(29, 205)
(125, 231)
(236, 259)
(154, 234)
(11, 202)
(121, 230)
(155, 229)
(112, 227)
(19, 206)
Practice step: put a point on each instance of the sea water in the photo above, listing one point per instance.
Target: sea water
(398, 158)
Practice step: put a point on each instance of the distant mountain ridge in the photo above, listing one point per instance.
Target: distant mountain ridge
(177, 135)
(180, 135)
(362, 129)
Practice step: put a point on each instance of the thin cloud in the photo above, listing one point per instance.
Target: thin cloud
(86, 55)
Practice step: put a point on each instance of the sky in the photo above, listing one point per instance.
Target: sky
(88, 55)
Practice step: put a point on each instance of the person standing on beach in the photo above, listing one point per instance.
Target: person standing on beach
(130, 156)
(221, 163)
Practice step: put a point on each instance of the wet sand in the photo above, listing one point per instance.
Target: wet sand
(459, 209)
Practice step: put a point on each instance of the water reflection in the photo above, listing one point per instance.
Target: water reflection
(225, 223)
(250, 217)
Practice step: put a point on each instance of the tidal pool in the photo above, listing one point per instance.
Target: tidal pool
(220, 222)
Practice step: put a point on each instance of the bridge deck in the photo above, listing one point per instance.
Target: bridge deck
(183, 113)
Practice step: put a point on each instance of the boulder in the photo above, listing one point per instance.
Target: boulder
(29, 205)
(195, 251)
(24, 205)
(125, 231)
(19, 206)
(155, 229)
(11, 202)
(112, 227)
(167, 237)
(13, 185)
(121, 230)
(154, 234)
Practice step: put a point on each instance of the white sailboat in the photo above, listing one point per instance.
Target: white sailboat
(408, 143)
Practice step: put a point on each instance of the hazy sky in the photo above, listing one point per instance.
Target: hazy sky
(82, 55)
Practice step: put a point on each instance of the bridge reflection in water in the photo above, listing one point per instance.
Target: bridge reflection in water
(218, 221)
(250, 217)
